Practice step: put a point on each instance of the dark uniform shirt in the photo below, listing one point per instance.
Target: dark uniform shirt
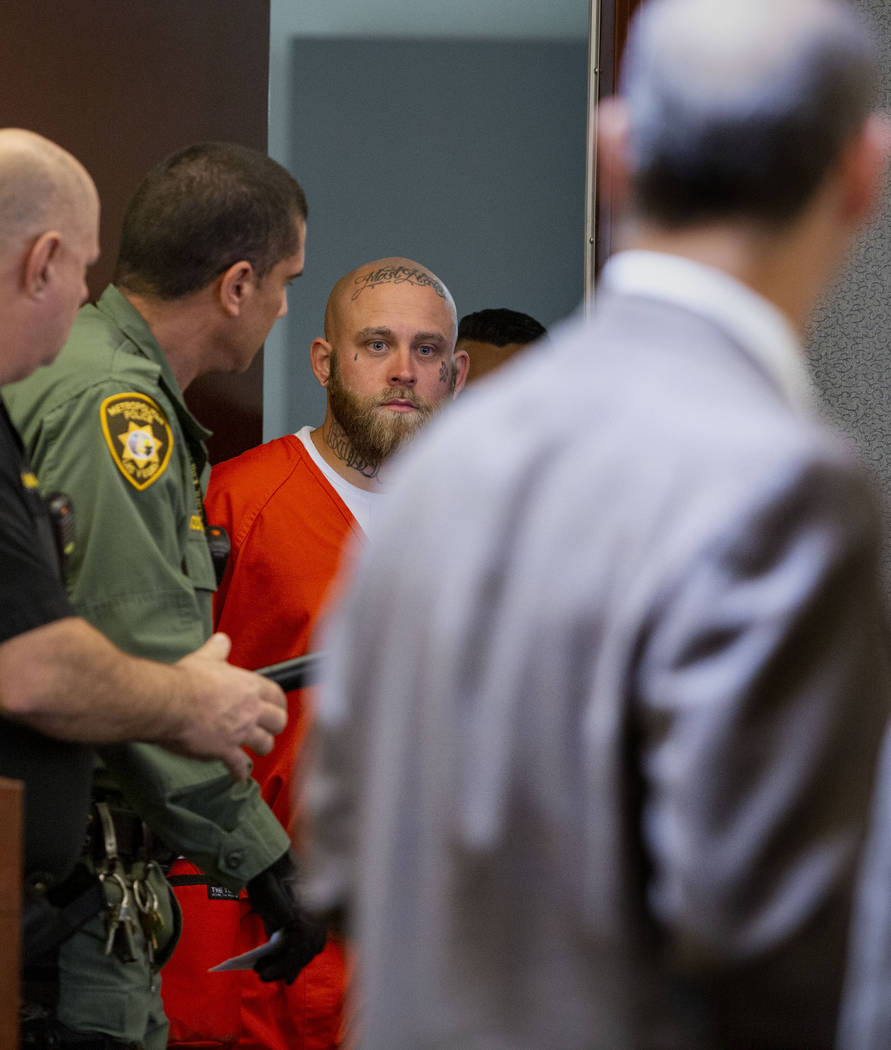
(56, 774)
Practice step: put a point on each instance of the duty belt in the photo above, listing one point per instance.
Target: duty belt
(50, 918)
(116, 833)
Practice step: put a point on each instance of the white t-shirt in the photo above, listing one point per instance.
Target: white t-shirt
(361, 503)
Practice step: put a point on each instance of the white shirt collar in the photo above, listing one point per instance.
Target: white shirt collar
(756, 323)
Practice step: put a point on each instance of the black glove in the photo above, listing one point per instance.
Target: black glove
(273, 897)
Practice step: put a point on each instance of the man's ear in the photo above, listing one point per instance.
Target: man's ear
(320, 359)
(461, 364)
(235, 287)
(39, 262)
(613, 170)
(863, 169)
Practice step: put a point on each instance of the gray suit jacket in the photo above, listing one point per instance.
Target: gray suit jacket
(866, 1010)
(604, 708)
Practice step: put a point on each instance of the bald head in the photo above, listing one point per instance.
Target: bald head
(49, 235)
(739, 109)
(42, 187)
(380, 274)
(725, 52)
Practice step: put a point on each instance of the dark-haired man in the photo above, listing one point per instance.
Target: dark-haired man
(210, 242)
(63, 686)
(492, 337)
(388, 362)
(604, 699)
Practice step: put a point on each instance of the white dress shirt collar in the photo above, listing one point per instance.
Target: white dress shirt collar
(755, 323)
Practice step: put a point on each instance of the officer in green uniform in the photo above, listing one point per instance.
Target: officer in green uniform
(210, 241)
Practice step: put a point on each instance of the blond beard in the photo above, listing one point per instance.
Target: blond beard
(372, 435)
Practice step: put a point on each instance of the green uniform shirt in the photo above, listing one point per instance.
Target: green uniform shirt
(107, 424)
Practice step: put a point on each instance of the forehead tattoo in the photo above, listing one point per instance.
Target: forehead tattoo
(397, 275)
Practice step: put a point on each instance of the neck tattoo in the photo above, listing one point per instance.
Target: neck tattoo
(337, 440)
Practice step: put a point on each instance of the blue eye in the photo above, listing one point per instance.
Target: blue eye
(426, 351)
(378, 345)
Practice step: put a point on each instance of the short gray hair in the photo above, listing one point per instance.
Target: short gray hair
(739, 109)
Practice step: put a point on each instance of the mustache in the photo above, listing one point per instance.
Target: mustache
(393, 393)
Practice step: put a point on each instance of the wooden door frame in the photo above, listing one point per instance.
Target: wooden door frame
(608, 22)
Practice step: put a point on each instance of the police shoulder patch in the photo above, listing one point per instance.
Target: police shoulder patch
(138, 436)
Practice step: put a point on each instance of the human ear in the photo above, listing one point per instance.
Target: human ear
(461, 364)
(864, 166)
(320, 360)
(613, 169)
(38, 263)
(235, 286)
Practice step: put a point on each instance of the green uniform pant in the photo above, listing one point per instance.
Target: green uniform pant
(101, 993)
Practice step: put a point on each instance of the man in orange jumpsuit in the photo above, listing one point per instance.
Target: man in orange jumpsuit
(387, 362)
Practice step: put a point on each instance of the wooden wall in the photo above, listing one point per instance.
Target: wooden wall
(121, 85)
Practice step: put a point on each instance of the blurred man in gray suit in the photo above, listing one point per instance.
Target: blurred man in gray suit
(607, 689)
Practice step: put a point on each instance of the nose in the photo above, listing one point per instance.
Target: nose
(283, 309)
(402, 368)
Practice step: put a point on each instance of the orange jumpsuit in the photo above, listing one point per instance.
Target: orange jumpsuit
(287, 528)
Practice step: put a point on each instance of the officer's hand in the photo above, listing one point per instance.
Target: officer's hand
(273, 896)
(299, 943)
(227, 708)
